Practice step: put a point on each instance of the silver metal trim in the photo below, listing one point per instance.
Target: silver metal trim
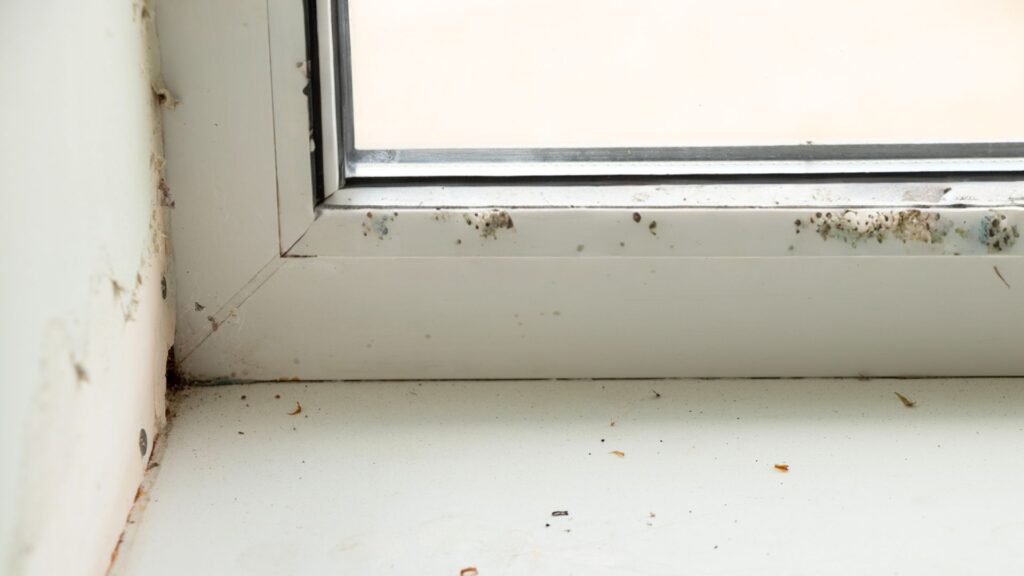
(330, 126)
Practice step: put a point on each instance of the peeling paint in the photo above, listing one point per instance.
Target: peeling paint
(854, 227)
(488, 223)
(996, 233)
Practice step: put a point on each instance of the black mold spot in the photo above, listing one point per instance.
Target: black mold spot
(996, 233)
(905, 225)
(489, 223)
(377, 226)
(163, 287)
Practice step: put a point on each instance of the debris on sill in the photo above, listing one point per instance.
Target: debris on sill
(468, 571)
(81, 375)
(298, 410)
(1000, 275)
(618, 453)
(560, 513)
(907, 402)
(782, 467)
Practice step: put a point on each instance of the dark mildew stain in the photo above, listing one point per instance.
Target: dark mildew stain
(377, 225)
(853, 227)
(488, 223)
(996, 233)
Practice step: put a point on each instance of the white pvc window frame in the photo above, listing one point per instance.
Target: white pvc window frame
(895, 275)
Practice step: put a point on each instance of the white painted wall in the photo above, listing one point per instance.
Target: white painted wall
(84, 327)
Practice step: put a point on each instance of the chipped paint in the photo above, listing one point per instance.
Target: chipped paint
(853, 227)
(488, 223)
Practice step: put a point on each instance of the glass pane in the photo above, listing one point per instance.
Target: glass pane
(583, 74)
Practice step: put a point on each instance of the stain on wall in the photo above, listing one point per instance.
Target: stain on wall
(88, 322)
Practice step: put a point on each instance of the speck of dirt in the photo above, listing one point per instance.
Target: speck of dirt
(636, 217)
(651, 227)
(560, 513)
(277, 396)
(143, 442)
(579, 247)
(163, 287)
(243, 397)
(199, 307)
(81, 375)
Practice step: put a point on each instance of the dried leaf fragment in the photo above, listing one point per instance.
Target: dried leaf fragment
(468, 571)
(906, 401)
(618, 453)
(782, 467)
(298, 409)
